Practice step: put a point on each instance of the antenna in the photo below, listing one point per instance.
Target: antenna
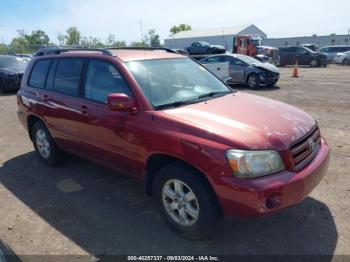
(141, 30)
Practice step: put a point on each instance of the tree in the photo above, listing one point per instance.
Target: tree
(142, 43)
(19, 44)
(61, 39)
(152, 39)
(178, 28)
(111, 42)
(73, 36)
(37, 38)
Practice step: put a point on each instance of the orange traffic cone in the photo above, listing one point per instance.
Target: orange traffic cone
(295, 70)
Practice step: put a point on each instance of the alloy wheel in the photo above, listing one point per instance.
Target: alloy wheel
(42, 143)
(180, 202)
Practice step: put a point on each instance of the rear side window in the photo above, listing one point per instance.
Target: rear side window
(38, 75)
(102, 78)
(68, 75)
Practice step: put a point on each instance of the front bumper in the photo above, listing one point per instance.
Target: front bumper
(265, 195)
(269, 80)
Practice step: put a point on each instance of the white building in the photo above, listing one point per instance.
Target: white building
(215, 36)
(322, 40)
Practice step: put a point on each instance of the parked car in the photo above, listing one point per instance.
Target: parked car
(204, 48)
(25, 56)
(304, 56)
(332, 51)
(242, 69)
(313, 47)
(182, 51)
(201, 149)
(343, 58)
(11, 72)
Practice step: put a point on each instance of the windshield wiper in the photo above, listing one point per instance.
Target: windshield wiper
(211, 94)
(192, 100)
(177, 103)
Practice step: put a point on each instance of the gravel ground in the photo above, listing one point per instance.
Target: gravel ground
(80, 208)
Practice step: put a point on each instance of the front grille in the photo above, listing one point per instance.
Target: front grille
(305, 149)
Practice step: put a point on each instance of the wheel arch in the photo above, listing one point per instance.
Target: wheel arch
(158, 160)
(31, 120)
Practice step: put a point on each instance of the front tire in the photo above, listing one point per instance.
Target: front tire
(186, 201)
(44, 145)
(253, 81)
(346, 61)
(313, 63)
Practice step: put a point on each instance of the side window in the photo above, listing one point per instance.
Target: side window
(324, 50)
(214, 59)
(102, 78)
(292, 50)
(67, 78)
(38, 75)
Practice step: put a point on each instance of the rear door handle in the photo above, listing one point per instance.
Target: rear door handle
(84, 110)
(218, 69)
(45, 98)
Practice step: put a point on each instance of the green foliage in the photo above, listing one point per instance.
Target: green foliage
(111, 42)
(30, 43)
(73, 36)
(152, 39)
(38, 37)
(178, 28)
(142, 43)
(18, 45)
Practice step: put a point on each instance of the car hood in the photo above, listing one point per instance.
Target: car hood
(12, 70)
(247, 121)
(267, 66)
(218, 46)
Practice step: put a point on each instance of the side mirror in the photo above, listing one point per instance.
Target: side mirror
(120, 102)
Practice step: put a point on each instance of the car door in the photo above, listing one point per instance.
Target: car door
(107, 136)
(304, 56)
(195, 48)
(216, 65)
(237, 69)
(58, 101)
(292, 56)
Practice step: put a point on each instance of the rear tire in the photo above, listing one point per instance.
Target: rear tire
(186, 201)
(253, 81)
(346, 61)
(44, 145)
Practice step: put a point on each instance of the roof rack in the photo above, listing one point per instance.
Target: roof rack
(143, 48)
(55, 50)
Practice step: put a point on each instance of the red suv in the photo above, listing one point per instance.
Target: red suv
(200, 148)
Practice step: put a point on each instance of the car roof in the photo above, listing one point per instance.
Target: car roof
(127, 54)
(143, 54)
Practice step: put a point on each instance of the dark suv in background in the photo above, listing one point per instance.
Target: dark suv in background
(304, 56)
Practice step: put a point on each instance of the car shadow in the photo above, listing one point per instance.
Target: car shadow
(106, 213)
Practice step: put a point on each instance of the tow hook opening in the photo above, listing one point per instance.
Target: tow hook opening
(274, 201)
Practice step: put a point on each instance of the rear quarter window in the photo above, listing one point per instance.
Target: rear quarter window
(39, 72)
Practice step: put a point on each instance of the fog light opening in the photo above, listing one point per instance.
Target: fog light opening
(273, 201)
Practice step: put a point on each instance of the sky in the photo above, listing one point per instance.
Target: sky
(100, 18)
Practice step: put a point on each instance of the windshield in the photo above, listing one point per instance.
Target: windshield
(12, 62)
(204, 43)
(166, 81)
(248, 59)
(256, 42)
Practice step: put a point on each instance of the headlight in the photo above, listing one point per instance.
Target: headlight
(249, 164)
